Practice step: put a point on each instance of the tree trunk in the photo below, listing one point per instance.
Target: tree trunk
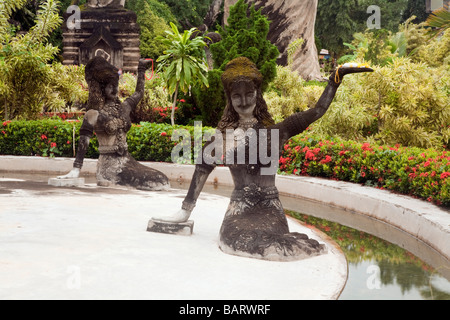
(291, 20)
(213, 13)
(6, 111)
(175, 97)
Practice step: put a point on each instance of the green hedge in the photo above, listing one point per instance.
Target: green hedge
(56, 138)
(422, 173)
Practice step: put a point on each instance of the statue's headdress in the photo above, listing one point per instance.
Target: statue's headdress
(98, 74)
(241, 69)
(101, 71)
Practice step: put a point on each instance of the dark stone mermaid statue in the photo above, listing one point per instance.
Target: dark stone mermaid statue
(255, 224)
(110, 119)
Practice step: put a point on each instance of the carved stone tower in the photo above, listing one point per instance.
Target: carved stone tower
(105, 28)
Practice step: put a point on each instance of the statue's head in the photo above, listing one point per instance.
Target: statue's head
(242, 83)
(103, 80)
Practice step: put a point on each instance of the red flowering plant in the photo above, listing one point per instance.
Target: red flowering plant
(422, 173)
(47, 138)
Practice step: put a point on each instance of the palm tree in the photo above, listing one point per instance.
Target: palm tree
(439, 20)
(184, 63)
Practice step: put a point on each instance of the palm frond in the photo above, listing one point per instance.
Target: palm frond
(47, 20)
(439, 20)
(7, 7)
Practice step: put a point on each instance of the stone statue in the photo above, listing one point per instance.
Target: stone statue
(255, 224)
(106, 3)
(110, 119)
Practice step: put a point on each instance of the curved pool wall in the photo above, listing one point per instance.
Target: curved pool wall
(365, 208)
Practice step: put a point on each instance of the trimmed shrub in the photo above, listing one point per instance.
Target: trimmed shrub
(421, 173)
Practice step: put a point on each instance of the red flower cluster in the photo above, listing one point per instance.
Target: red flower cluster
(419, 173)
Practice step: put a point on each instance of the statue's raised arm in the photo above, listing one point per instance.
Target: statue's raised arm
(300, 121)
(255, 223)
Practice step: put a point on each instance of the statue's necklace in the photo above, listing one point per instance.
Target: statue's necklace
(247, 124)
(112, 109)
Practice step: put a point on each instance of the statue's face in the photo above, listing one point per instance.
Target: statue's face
(111, 92)
(243, 98)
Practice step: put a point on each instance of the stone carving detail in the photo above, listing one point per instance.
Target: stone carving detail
(105, 3)
(105, 29)
(255, 224)
(110, 119)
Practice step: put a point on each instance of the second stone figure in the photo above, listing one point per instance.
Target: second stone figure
(110, 119)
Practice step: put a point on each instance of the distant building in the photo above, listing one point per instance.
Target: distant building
(324, 54)
(433, 5)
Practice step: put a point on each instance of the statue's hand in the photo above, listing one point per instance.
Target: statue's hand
(348, 68)
(178, 217)
(73, 174)
(146, 64)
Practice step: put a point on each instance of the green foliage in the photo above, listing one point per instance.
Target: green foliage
(189, 12)
(184, 63)
(406, 100)
(51, 137)
(292, 49)
(287, 95)
(211, 101)
(153, 18)
(155, 99)
(246, 35)
(28, 83)
(439, 20)
(416, 8)
(436, 52)
(159, 8)
(55, 138)
(413, 105)
(338, 21)
(423, 173)
(380, 47)
(155, 106)
(404, 103)
(334, 23)
(377, 47)
(7, 7)
(152, 28)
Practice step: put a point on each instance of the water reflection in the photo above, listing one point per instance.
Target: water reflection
(379, 269)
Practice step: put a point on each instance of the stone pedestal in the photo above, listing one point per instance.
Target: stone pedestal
(110, 32)
(181, 229)
(78, 182)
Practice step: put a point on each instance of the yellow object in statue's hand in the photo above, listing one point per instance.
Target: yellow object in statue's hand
(348, 68)
(354, 65)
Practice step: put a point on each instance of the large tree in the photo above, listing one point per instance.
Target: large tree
(289, 21)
